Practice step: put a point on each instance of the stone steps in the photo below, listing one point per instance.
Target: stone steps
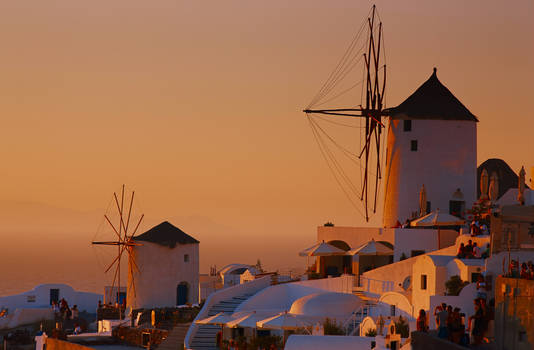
(175, 339)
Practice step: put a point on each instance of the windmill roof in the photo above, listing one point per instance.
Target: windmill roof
(166, 234)
(432, 101)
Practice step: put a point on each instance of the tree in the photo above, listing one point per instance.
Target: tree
(332, 328)
(402, 327)
(455, 285)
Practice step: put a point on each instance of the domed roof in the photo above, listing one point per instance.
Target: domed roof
(329, 304)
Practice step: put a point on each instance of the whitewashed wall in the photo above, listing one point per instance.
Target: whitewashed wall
(446, 159)
(39, 297)
(161, 269)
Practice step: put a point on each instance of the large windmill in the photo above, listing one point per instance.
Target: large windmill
(370, 53)
(123, 238)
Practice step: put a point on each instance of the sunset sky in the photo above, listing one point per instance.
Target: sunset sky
(197, 106)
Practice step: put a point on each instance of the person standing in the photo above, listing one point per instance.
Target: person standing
(443, 315)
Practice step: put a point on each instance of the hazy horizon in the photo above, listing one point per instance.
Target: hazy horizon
(197, 107)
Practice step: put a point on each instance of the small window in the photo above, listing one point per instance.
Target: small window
(414, 145)
(423, 282)
(474, 276)
(392, 310)
(186, 257)
(407, 125)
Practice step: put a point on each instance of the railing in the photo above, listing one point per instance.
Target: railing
(225, 294)
(375, 286)
(351, 324)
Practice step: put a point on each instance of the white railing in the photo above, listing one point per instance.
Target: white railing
(374, 286)
(355, 319)
(225, 294)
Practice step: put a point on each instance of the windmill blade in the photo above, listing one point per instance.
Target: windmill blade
(136, 227)
(113, 227)
(117, 258)
(119, 208)
(129, 214)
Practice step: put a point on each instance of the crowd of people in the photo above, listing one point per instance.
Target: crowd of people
(477, 228)
(471, 250)
(63, 312)
(526, 271)
(451, 322)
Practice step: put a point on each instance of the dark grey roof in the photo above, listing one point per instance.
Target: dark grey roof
(432, 101)
(507, 177)
(166, 234)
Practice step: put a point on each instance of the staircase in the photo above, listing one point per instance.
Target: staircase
(205, 337)
(175, 339)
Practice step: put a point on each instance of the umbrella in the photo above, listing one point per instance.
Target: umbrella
(286, 321)
(249, 320)
(521, 186)
(422, 201)
(371, 248)
(219, 319)
(436, 218)
(494, 187)
(484, 184)
(322, 249)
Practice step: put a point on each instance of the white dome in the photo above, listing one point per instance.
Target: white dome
(330, 304)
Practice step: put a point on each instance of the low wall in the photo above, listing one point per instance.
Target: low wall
(22, 317)
(56, 344)
(425, 341)
(225, 294)
(394, 274)
(342, 284)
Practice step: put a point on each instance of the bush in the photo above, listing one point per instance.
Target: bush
(332, 328)
(455, 285)
(402, 327)
(371, 332)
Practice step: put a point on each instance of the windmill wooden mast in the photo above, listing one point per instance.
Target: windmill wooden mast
(373, 112)
(123, 240)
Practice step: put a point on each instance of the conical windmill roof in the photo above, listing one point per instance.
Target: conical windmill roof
(166, 234)
(432, 101)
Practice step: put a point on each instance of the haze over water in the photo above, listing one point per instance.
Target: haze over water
(196, 106)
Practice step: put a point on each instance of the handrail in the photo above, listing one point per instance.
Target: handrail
(354, 318)
(223, 294)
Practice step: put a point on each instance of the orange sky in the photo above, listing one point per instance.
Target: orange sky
(196, 105)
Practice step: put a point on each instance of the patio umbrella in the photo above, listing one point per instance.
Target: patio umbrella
(422, 201)
(436, 218)
(484, 184)
(494, 187)
(371, 248)
(521, 187)
(286, 321)
(248, 320)
(322, 249)
(219, 319)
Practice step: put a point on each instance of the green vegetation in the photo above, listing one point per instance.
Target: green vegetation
(402, 327)
(332, 328)
(371, 332)
(455, 285)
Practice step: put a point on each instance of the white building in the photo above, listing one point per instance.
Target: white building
(432, 141)
(231, 273)
(43, 295)
(167, 269)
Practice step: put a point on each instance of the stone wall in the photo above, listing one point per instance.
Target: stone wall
(56, 344)
(514, 317)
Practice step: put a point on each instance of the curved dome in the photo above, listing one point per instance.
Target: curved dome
(328, 304)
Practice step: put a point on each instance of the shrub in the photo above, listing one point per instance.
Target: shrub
(332, 328)
(371, 332)
(402, 327)
(455, 285)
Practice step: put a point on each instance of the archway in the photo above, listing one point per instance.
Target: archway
(182, 291)
(338, 264)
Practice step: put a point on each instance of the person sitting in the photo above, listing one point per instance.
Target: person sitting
(77, 329)
(421, 322)
(477, 253)
(461, 252)
(469, 249)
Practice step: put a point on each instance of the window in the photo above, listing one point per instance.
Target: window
(407, 125)
(474, 276)
(392, 310)
(414, 145)
(54, 295)
(186, 257)
(423, 282)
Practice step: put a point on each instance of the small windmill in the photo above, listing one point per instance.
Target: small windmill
(123, 239)
(371, 108)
